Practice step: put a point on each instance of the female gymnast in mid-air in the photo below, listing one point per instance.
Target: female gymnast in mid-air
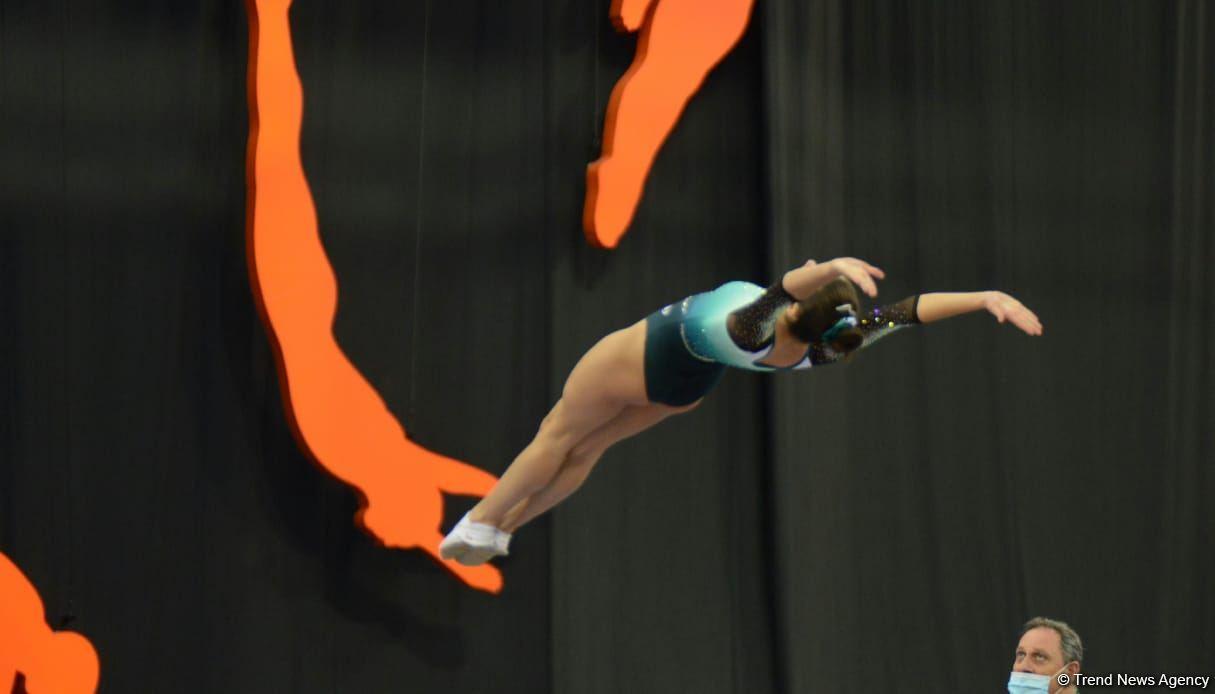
(665, 364)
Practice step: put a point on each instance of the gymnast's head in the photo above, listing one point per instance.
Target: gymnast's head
(828, 316)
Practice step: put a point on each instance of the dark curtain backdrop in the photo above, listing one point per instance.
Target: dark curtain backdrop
(968, 478)
(1185, 594)
(882, 526)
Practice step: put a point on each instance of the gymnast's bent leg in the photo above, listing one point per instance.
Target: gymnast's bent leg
(582, 459)
(608, 378)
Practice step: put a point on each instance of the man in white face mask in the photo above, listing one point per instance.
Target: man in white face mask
(1048, 648)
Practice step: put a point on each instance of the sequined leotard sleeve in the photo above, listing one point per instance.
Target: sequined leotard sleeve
(875, 324)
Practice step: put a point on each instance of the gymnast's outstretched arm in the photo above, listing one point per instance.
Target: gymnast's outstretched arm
(879, 322)
(939, 306)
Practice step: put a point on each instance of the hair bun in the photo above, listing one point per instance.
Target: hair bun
(848, 340)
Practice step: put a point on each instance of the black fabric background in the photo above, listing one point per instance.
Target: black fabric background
(881, 526)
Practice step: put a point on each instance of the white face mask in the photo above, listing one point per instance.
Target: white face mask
(1029, 683)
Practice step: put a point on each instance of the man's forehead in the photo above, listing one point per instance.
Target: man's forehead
(1043, 638)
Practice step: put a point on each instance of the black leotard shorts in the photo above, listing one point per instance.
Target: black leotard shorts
(673, 375)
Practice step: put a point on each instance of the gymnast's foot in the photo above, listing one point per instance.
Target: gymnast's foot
(501, 543)
(472, 543)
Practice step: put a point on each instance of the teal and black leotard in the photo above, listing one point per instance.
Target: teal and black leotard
(690, 343)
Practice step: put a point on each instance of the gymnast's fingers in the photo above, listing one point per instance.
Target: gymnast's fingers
(1028, 326)
(873, 270)
(1028, 322)
(859, 275)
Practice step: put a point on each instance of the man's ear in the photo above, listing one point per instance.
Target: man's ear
(1073, 668)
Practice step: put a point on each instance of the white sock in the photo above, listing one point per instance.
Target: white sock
(470, 543)
(502, 543)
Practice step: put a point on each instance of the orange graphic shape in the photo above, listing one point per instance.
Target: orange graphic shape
(52, 662)
(336, 415)
(680, 42)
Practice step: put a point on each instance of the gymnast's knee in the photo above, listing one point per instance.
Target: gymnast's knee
(554, 433)
(584, 454)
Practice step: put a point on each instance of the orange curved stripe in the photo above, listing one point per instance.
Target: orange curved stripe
(336, 415)
(52, 662)
(628, 15)
(681, 41)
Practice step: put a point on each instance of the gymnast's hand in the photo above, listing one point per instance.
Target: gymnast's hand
(861, 273)
(809, 278)
(1006, 308)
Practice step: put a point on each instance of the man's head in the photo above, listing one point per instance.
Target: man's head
(1048, 647)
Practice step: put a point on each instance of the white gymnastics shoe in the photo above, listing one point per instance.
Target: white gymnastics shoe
(473, 543)
(501, 543)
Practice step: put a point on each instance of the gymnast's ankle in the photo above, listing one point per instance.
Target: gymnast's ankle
(476, 516)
